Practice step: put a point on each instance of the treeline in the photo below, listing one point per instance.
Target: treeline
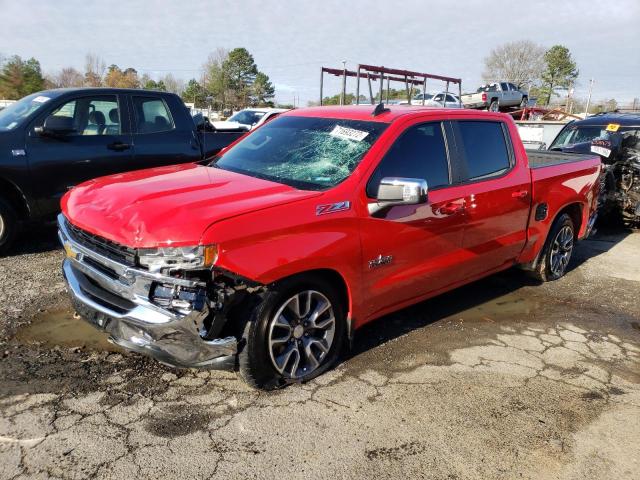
(229, 80)
(544, 72)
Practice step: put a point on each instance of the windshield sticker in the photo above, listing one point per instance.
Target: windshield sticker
(603, 151)
(613, 127)
(348, 133)
(41, 99)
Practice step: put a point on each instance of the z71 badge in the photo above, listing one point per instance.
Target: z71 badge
(333, 207)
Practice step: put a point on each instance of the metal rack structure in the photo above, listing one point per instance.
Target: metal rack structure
(379, 73)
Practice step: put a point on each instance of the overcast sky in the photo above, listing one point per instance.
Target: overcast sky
(290, 40)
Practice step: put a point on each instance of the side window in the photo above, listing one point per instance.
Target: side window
(513, 87)
(504, 87)
(152, 115)
(420, 152)
(485, 149)
(98, 115)
(450, 98)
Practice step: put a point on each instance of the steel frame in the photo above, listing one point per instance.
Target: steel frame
(380, 73)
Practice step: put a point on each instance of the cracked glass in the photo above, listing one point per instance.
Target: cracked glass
(308, 153)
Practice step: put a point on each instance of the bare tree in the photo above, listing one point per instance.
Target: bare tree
(68, 77)
(172, 84)
(215, 81)
(94, 70)
(520, 62)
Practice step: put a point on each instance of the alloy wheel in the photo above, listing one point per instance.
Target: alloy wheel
(561, 251)
(301, 334)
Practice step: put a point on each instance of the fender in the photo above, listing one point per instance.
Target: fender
(291, 239)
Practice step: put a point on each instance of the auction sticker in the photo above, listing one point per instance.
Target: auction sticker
(605, 152)
(348, 133)
(613, 127)
(41, 99)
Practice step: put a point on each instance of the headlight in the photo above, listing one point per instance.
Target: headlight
(178, 258)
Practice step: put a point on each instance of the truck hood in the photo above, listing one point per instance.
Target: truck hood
(169, 205)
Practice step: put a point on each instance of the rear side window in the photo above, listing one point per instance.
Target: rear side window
(152, 115)
(420, 152)
(485, 149)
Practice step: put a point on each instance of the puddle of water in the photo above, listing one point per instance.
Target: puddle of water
(61, 328)
(512, 306)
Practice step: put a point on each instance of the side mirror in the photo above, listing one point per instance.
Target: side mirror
(56, 126)
(394, 191)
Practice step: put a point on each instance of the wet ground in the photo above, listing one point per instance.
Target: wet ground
(501, 379)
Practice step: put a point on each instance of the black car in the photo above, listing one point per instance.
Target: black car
(616, 138)
(55, 139)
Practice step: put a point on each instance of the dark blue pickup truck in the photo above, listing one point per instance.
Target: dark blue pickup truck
(55, 139)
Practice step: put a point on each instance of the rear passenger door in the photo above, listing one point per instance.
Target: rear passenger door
(498, 196)
(158, 138)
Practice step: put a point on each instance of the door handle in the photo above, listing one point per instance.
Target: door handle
(520, 194)
(451, 208)
(118, 146)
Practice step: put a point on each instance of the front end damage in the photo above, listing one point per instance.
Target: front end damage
(179, 319)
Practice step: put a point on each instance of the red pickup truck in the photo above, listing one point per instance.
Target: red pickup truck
(269, 258)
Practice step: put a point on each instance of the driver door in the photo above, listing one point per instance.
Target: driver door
(99, 145)
(411, 251)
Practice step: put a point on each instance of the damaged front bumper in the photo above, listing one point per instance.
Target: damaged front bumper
(116, 298)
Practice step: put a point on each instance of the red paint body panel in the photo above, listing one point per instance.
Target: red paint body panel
(266, 231)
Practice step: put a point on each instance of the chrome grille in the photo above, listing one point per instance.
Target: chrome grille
(102, 246)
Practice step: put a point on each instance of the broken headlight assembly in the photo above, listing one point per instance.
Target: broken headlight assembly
(178, 258)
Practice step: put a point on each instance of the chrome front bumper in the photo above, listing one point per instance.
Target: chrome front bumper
(116, 298)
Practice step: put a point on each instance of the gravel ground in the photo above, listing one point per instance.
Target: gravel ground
(30, 280)
(501, 379)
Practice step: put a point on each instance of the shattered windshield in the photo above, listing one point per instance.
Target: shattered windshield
(304, 152)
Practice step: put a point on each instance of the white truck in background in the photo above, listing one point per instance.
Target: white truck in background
(494, 96)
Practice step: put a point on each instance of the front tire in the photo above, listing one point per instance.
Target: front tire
(557, 250)
(494, 106)
(295, 333)
(523, 103)
(8, 226)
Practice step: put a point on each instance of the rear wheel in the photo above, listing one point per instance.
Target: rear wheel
(494, 106)
(294, 335)
(8, 226)
(557, 250)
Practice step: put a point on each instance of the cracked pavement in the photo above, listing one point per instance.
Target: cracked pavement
(500, 379)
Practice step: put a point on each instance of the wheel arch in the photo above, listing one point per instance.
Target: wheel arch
(333, 277)
(575, 212)
(12, 194)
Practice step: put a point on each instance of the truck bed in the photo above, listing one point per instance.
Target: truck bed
(545, 158)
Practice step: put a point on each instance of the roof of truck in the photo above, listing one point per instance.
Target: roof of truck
(611, 117)
(99, 90)
(365, 112)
